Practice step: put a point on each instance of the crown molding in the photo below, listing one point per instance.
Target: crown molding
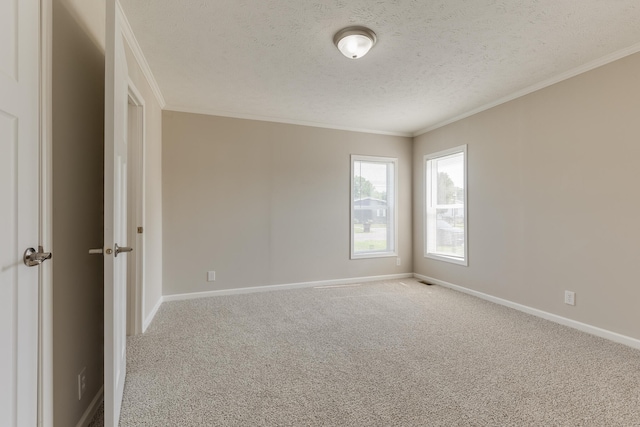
(127, 31)
(533, 88)
(221, 113)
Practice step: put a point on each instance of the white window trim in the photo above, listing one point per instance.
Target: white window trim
(394, 242)
(432, 156)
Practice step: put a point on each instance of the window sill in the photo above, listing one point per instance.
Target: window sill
(374, 255)
(452, 260)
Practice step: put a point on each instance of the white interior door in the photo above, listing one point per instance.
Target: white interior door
(115, 216)
(19, 210)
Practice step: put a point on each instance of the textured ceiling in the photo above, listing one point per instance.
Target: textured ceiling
(434, 60)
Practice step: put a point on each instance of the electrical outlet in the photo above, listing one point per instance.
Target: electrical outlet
(82, 382)
(570, 297)
(398, 261)
(211, 276)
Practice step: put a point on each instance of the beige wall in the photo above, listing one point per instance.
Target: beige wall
(90, 17)
(265, 203)
(552, 198)
(153, 187)
(78, 122)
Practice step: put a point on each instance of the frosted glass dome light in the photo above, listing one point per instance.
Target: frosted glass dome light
(354, 42)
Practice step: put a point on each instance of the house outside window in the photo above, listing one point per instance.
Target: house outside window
(446, 206)
(373, 206)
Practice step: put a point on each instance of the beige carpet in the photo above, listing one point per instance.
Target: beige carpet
(381, 354)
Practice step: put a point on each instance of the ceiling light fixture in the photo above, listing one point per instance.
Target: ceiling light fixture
(354, 42)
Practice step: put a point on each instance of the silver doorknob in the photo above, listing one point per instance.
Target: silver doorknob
(119, 249)
(32, 258)
(109, 251)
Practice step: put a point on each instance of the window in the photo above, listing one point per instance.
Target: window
(446, 205)
(373, 206)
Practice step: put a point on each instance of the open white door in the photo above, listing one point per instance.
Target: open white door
(115, 216)
(19, 210)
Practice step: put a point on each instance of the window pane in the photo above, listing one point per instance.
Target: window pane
(370, 231)
(450, 232)
(450, 175)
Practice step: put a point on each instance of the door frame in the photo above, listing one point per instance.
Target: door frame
(136, 214)
(45, 306)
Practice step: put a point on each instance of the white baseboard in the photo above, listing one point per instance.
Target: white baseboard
(266, 288)
(92, 409)
(149, 318)
(593, 330)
